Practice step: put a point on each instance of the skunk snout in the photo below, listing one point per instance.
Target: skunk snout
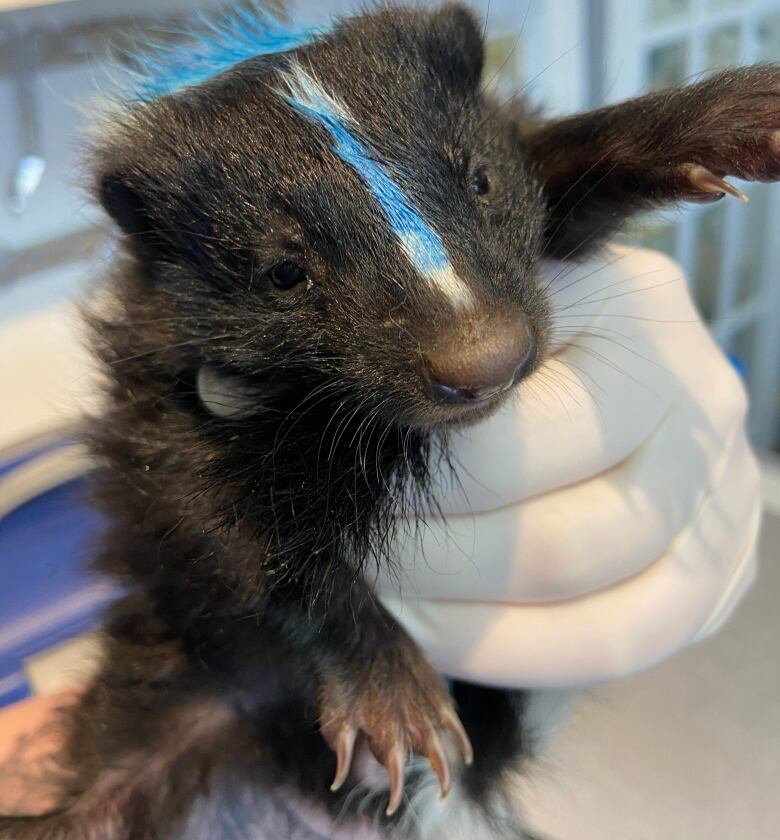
(480, 361)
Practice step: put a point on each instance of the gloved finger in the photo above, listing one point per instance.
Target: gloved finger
(612, 632)
(584, 537)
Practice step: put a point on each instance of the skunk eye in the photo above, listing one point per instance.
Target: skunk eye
(287, 275)
(480, 183)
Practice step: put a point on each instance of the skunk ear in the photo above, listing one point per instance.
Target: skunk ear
(129, 200)
(456, 44)
(601, 167)
(125, 205)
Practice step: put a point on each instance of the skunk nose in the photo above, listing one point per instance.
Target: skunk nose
(481, 364)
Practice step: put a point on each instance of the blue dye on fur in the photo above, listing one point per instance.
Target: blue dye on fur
(421, 243)
(219, 46)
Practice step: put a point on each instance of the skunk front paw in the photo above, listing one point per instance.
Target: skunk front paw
(400, 705)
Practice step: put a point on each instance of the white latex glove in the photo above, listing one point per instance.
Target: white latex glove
(608, 516)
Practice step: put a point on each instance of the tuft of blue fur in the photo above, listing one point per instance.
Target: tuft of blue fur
(421, 243)
(220, 45)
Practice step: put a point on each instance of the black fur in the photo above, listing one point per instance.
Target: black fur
(243, 540)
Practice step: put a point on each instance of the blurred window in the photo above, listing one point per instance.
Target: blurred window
(768, 37)
(667, 65)
(725, 249)
(663, 10)
(723, 47)
(709, 257)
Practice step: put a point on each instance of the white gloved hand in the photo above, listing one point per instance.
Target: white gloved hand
(608, 516)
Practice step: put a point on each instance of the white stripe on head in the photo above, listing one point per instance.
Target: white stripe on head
(419, 241)
(456, 291)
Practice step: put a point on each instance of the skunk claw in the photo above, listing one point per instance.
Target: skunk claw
(705, 181)
(395, 767)
(345, 747)
(452, 722)
(440, 765)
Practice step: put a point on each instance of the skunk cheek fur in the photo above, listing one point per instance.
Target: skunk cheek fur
(263, 438)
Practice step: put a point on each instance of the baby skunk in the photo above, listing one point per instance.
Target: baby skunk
(329, 257)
